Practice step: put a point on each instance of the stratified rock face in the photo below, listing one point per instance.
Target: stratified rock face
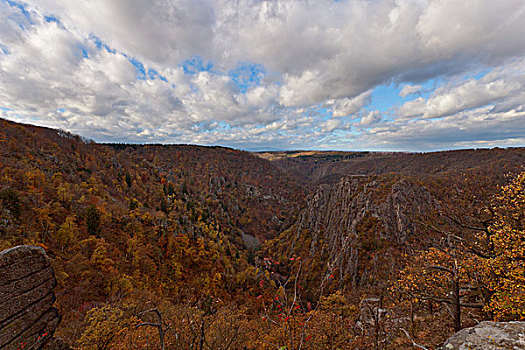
(489, 336)
(335, 214)
(27, 316)
(340, 208)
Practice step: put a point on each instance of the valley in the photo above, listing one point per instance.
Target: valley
(298, 249)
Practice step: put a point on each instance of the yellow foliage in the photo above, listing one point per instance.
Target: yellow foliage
(506, 269)
(66, 233)
(103, 325)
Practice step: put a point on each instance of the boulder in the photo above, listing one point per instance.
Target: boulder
(27, 317)
(488, 336)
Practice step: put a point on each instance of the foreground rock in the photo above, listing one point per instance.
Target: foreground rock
(27, 316)
(489, 336)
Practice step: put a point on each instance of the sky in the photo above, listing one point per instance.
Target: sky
(379, 75)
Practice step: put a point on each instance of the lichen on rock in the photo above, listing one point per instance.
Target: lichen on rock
(488, 336)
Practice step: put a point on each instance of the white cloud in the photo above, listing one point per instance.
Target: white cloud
(350, 106)
(371, 118)
(162, 31)
(315, 53)
(116, 68)
(330, 125)
(412, 108)
(324, 49)
(504, 84)
(409, 90)
(476, 128)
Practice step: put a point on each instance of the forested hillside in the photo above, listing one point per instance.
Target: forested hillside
(139, 223)
(311, 250)
(315, 167)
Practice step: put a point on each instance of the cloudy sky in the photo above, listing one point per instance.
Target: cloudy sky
(412, 75)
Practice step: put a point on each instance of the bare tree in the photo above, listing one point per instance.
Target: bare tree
(161, 327)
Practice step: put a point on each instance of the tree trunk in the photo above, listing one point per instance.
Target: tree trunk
(456, 306)
(161, 337)
(201, 344)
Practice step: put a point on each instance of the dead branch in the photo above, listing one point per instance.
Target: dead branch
(413, 342)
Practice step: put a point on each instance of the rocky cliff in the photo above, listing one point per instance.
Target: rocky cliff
(360, 215)
(27, 316)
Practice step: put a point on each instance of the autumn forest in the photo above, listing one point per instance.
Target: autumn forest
(192, 247)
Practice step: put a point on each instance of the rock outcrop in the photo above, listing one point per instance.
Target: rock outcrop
(340, 208)
(27, 316)
(353, 215)
(489, 336)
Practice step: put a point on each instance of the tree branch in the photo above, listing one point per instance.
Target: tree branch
(413, 342)
(441, 268)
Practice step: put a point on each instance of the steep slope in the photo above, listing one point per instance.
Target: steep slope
(355, 229)
(367, 209)
(243, 192)
(178, 227)
(128, 222)
(357, 233)
(249, 193)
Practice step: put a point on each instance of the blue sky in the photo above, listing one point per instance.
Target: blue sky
(408, 75)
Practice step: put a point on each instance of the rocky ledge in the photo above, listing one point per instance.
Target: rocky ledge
(27, 316)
